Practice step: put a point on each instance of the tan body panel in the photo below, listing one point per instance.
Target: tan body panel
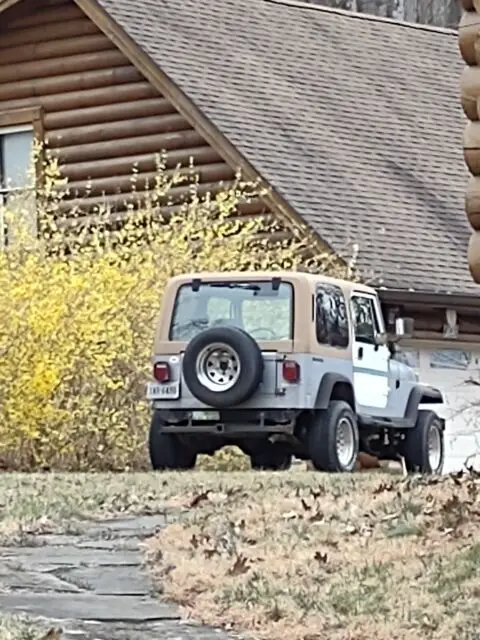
(304, 330)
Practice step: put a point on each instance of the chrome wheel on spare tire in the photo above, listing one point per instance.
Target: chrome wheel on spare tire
(218, 366)
(222, 366)
(423, 447)
(333, 440)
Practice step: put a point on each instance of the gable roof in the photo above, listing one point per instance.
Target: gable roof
(354, 120)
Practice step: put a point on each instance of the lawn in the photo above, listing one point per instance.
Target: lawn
(293, 554)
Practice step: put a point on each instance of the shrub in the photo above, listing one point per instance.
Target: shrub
(78, 310)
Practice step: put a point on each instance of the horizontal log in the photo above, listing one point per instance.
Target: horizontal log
(68, 83)
(62, 66)
(472, 160)
(468, 32)
(246, 211)
(107, 113)
(56, 49)
(474, 256)
(470, 105)
(121, 201)
(143, 163)
(145, 181)
(45, 15)
(471, 135)
(472, 202)
(470, 91)
(129, 146)
(70, 29)
(75, 100)
(115, 130)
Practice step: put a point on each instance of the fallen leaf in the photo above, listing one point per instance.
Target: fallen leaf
(317, 516)
(239, 566)
(194, 541)
(321, 558)
(199, 498)
(305, 505)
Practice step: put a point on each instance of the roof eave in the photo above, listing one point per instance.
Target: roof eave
(451, 300)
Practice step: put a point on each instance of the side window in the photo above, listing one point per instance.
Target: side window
(366, 325)
(331, 316)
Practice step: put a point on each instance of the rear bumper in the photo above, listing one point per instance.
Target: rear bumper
(228, 423)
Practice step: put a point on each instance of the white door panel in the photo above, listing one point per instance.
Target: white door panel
(370, 361)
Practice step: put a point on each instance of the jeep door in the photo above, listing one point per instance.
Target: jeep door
(370, 360)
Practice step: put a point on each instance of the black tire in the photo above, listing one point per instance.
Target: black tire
(251, 366)
(166, 450)
(322, 443)
(271, 459)
(415, 449)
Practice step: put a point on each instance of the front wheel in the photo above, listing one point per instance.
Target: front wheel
(167, 451)
(333, 440)
(424, 448)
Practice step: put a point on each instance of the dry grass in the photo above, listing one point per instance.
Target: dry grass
(49, 502)
(21, 628)
(308, 556)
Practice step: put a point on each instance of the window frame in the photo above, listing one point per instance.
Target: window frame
(246, 281)
(11, 121)
(378, 327)
(318, 287)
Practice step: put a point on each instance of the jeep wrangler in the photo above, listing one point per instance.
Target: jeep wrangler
(285, 364)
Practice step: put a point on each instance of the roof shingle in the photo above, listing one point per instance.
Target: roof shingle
(355, 120)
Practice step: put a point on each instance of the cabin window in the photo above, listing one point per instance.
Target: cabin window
(16, 154)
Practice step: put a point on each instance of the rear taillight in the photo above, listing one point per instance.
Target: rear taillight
(291, 371)
(161, 372)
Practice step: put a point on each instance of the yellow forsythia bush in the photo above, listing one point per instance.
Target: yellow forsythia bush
(78, 308)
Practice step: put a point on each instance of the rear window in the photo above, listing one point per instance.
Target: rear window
(264, 311)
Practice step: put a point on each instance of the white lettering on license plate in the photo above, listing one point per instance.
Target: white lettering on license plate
(165, 391)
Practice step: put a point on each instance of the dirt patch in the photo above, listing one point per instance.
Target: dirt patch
(309, 556)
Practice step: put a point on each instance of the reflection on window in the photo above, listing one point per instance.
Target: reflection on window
(255, 307)
(331, 316)
(365, 319)
(450, 359)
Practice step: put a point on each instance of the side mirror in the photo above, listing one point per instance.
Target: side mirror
(403, 329)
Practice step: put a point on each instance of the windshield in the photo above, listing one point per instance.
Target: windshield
(264, 312)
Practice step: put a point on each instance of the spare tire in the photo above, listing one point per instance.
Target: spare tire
(222, 366)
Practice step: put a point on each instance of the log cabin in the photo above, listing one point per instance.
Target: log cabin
(352, 120)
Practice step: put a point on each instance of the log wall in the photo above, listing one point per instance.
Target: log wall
(99, 115)
(469, 43)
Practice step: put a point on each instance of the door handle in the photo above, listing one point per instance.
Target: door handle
(360, 353)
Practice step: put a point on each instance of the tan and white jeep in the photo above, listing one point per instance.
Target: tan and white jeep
(285, 364)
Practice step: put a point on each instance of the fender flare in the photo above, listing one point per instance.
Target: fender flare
(324, 393)
(421, 395)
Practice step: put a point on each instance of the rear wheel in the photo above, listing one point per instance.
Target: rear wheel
(167, 451)
(332, 440)
(271, 459)
(423, 447)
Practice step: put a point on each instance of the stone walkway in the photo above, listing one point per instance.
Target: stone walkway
(92, 584)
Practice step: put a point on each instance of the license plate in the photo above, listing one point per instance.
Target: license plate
(205, 415)
(165, 391)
